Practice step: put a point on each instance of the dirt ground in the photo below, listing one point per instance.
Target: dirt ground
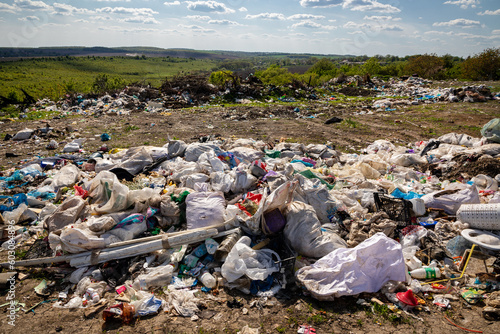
(271, 123)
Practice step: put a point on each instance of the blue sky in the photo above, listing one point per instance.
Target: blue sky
(359, 27)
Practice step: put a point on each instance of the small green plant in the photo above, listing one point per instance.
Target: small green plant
(281, 329)
(129, 128)
(317, 319)
(351, 123)
(360, 322)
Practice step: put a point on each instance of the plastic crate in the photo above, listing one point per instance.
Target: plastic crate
(397, 209)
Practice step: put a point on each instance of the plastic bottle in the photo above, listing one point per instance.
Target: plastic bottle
(226, 246)
(426, 272)
(208, 280)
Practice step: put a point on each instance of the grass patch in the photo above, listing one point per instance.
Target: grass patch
(129, 128)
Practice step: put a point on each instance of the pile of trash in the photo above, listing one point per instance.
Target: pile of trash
(242, 214)
(193, 90)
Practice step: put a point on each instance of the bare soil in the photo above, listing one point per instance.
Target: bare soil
(291, 307)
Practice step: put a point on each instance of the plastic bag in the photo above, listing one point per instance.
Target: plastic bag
(194, 150)
(220, 181)
(183, 301)
(23, 134)
(147, 306)
(243, 260)
(205, 209)
(350, 271)
(100, 225)
(452, 197)
(491, 130)
(176, 148)
(319, 198)
(154, 277)
(67, 176)
(303, 232)
(108, 193)
(67, 213)
(75, 240)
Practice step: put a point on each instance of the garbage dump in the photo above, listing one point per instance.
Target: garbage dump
(239, 214)
(194, 90)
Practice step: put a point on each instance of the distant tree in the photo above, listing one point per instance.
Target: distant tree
(275, 75)
(323, 67)
(425, 66)
(372, 66)
(483, 66)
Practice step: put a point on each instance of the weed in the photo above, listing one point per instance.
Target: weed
(129, 128)
(349, 122)
(281, 329)
(360, 322)
(317, 319)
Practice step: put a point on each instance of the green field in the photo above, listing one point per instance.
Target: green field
(54, 77)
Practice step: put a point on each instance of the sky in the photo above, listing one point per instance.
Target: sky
(357, 27)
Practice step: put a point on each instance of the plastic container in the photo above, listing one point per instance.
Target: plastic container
(426, 272)
(208, 280)
(480, 216)
(226, 246)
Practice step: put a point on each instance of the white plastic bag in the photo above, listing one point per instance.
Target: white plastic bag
(76, 240)
(243, 260)
(350, 271)
(205, 209)
(452, 197)
(67, 176)
(303, 232)
(108, 194)
(67, 213)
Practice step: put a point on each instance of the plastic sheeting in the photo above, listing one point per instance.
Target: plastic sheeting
(350, 271)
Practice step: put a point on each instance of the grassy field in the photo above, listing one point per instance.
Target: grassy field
(54, 77)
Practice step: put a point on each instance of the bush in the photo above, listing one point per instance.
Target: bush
(275, 75)
(425, 66)
(220, 78)
(484, 66)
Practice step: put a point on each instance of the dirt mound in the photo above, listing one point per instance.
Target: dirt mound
(468, 166)
(354, 91)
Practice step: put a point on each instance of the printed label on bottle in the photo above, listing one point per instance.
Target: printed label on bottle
(430, 272)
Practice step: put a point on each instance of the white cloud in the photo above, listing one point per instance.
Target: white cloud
(243, 9)
(305, 17)
(355, 5)
(128, 11)
(381, 18)
(464, 23)
(312, 25)
(320, 3)
(464, 4)
(82, 21)
(31, 5)
(29, 18)
(209, 6)
(113, 0)
(490, 12)
(173, 3)
(65, 9)
(198, 29)
(198, 17)
(8, 8)
(224, 22)
(140, 19)
(369, 6)
(266, 16)
(496, 32)
(372, 27)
